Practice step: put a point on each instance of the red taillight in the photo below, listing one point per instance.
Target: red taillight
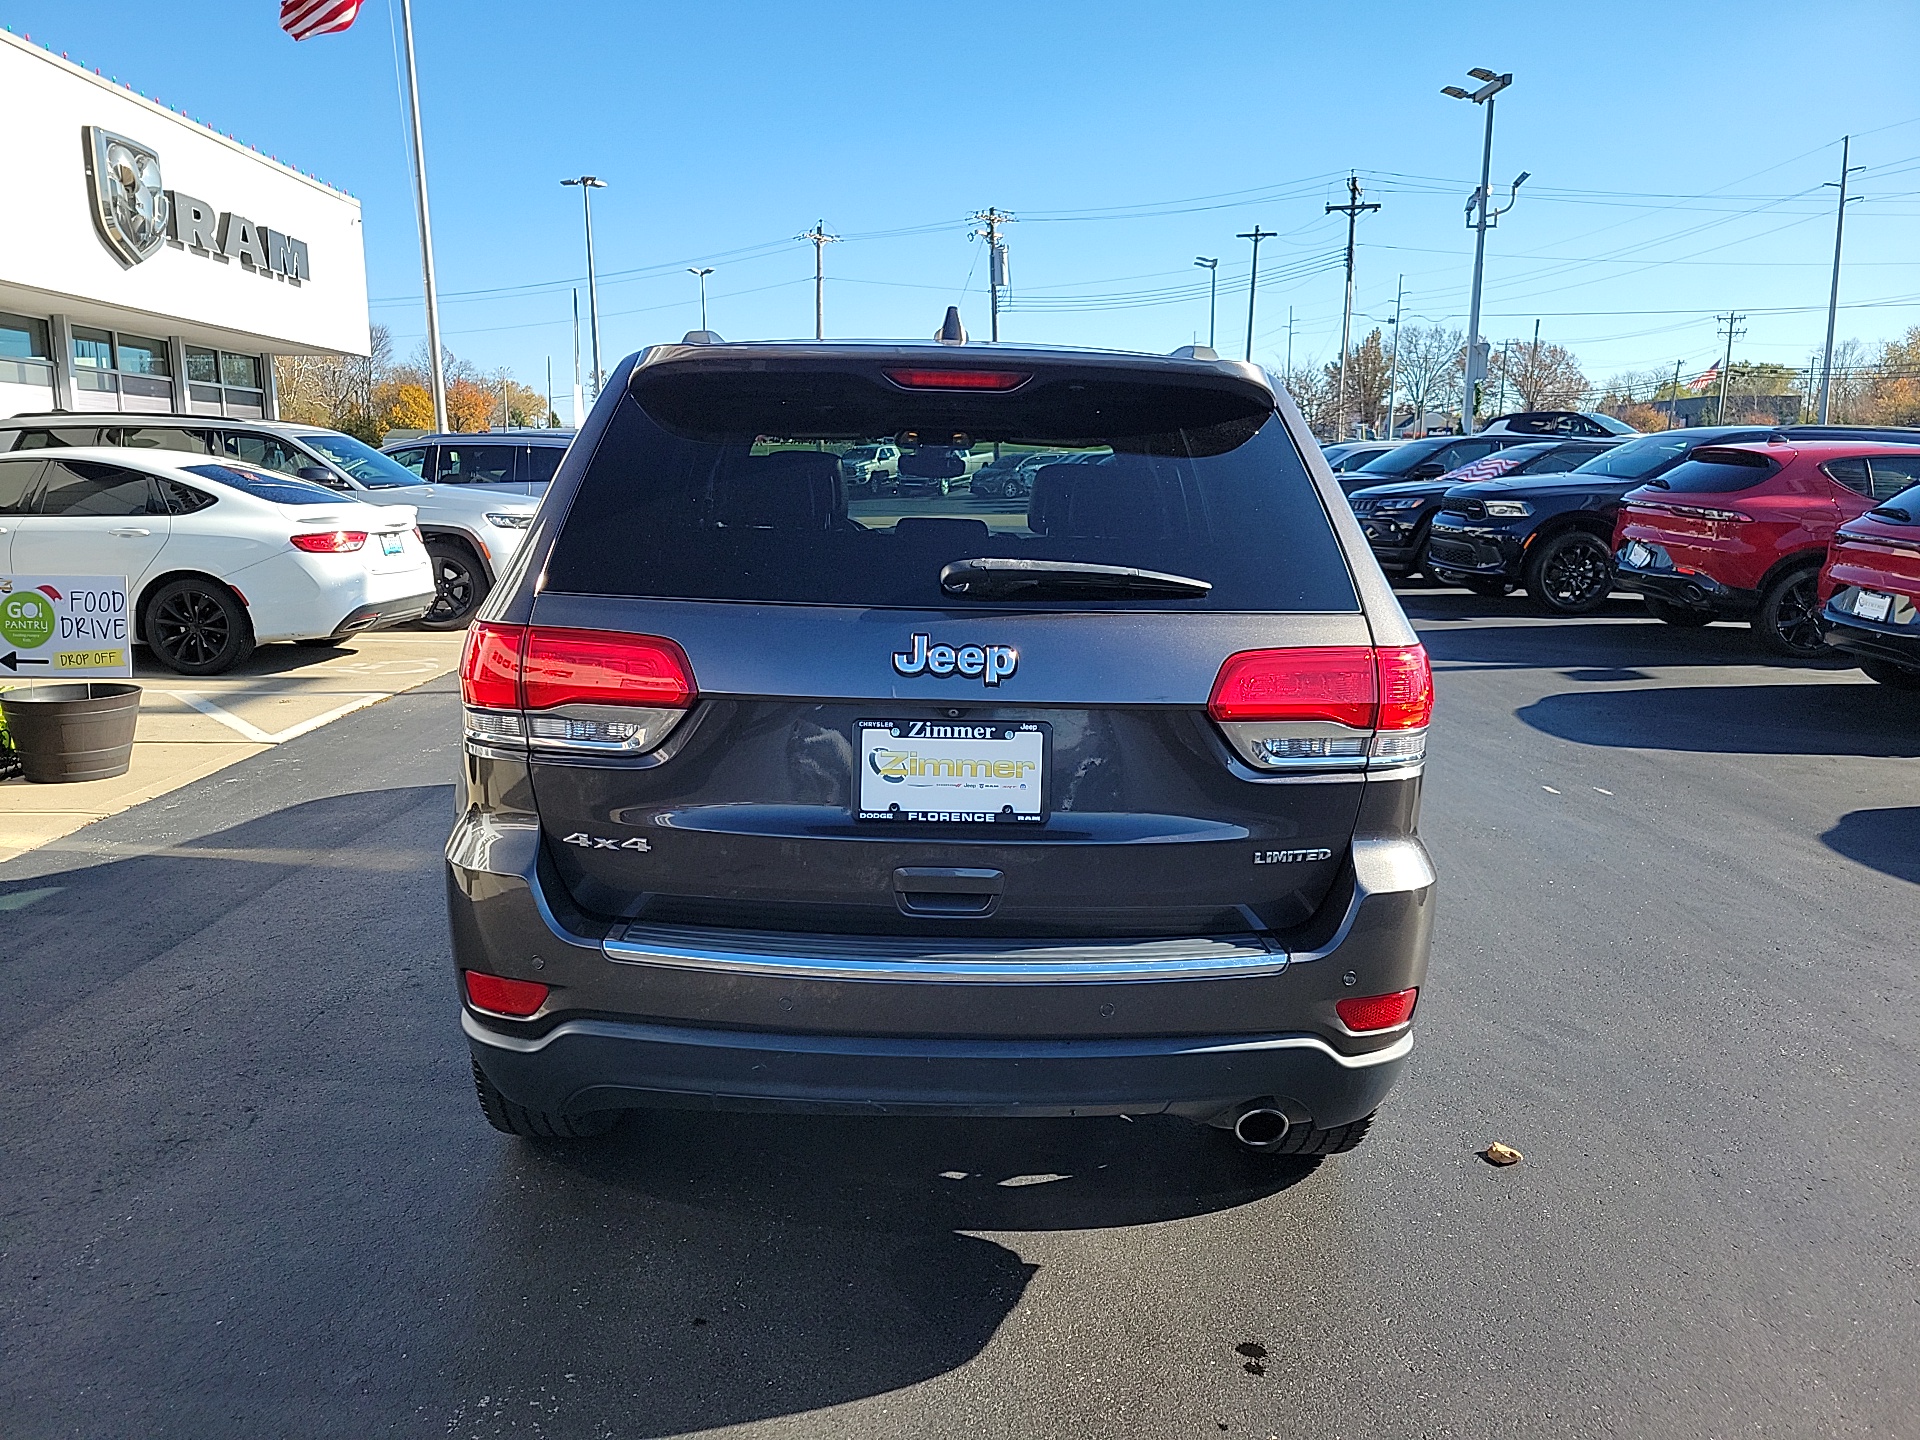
(503, 996)
(1377, 1012)
(1406, 688)
(490, 665)
(603, 667)
(1352, 685)
(330, 542)
(959, 379)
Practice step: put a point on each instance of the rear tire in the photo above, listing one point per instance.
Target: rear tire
(197, 626)
(1570, 574)
(1887, 673)
(1686, 617)
(459, 585)
(1789, 616)
(511, 1119)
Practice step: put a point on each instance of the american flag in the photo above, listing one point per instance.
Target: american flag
(1708, 380)
(301, 18)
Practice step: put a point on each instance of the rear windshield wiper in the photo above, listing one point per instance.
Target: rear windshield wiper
(1663, 484)
(997, 578)
(1892, 512)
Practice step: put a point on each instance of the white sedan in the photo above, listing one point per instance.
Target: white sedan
(218, 556)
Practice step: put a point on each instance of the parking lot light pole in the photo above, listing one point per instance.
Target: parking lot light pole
(701, 272)
(1212, 267)
(1491, 86)
(436, 375)
(588, 184)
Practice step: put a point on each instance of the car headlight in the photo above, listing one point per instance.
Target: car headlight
(1507, 509)
(508, 521)
(1411, 502)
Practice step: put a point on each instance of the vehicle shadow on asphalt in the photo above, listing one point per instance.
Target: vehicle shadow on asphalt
(1884, 840)
(1843, 718)
(731, 1268)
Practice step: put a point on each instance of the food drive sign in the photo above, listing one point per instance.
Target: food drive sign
(64, 627)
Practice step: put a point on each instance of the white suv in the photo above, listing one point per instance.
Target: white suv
(470, 534)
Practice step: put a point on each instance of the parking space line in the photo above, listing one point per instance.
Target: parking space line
(253, 732)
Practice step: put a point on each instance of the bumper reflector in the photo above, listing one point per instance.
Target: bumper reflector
(519, 998)
(1377, 1012)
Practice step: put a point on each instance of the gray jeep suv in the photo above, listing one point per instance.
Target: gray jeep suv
(1098, 800)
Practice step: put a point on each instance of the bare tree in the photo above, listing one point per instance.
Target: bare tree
(1313, 392)
(1543, 376)
(1366, 385)
(1429, 364)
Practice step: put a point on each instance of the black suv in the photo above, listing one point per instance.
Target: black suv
(1554, 535)
(1396, 517)
(1426, 459)
(1100, 800)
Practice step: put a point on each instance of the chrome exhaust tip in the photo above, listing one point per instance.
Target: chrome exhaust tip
(1261, 1127)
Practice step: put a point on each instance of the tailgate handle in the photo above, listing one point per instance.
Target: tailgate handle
(947, 889)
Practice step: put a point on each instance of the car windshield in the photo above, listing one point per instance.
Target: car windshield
(694, 494)
(361, 461)
(263, 485)
(1649, 455)
(1403, 458)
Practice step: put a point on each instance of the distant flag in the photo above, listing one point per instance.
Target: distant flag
(1708, 380)
(302, 18)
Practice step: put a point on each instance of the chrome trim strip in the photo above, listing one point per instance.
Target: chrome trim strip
(763, 953)
(739, 1039)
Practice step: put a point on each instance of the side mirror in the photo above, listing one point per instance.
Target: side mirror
(319, 474)
(1427, 470)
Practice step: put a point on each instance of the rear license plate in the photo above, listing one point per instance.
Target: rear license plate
(947, 771)
(1872, 605)
(392, 544)
(1638, 554)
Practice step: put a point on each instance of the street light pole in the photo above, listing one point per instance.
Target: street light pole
(1476, 364)
(1212, 267)
(1393, 365)
(1833, 299)
(588, 184)
(1256, 235)
(435, 373)
(701, 272)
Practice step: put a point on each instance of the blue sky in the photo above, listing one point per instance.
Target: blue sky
(1677, 161)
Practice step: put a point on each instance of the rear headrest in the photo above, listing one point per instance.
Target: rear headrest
(1047, 506)
(787, 490)
(1120, 498)
(953, 530)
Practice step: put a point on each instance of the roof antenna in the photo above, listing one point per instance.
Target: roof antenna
(951, 331)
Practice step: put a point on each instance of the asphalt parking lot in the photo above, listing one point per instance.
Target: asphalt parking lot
(247, 1191)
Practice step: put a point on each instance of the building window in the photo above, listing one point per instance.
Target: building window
(220, 382)
(24, 356)
(135, 367)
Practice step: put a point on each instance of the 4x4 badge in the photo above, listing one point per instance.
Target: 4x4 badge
(594, 842)
(990, 664)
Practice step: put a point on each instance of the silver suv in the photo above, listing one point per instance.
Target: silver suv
(470, 534)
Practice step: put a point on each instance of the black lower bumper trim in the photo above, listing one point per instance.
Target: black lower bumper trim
(1875, 642)
(385, 615)
(586, 1065)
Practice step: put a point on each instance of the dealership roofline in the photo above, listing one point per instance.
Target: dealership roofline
(26, 44)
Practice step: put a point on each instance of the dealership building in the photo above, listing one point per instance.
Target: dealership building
(149, 263)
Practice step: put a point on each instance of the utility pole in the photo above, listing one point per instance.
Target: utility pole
(506, 410)
(1212, 267)
(1289, 340)
(996, 262)
(1833, 298)
(820, 239)
(1476, 361)
(436, 374)
(1393, 365)
(1731, 321)
(1673, 400)
(1256, 235)
(588, 184)
(1353, 210)
(579, 400)
(1534, 367)
(546, 420)
(701, 272)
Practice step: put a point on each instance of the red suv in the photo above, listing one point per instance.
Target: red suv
(1871, 587)
(1740, 531)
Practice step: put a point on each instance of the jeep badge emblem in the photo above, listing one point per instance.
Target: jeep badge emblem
(990, 664)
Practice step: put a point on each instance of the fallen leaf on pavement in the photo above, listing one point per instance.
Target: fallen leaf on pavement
(1499, 1154)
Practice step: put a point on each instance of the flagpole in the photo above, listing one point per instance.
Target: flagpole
(439, 379)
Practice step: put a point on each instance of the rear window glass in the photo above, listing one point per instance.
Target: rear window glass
(266, 486)
(1648, 456)
(750, 487)
(1717, 472)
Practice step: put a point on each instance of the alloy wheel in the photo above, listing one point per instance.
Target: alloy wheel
(1577, 574)
(191, 627)
(453, 588)
(1797, 617)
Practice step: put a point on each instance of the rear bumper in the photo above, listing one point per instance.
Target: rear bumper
(383, 614)
(585, 1065)
(694, 1016)
(1894, 643)
(1694, 590)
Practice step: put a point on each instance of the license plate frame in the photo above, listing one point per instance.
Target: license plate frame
(393, 543)
(890, 788)
(1639, 554)
(1873, 605)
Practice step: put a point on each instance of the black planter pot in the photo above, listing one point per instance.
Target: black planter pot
(82, 731)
